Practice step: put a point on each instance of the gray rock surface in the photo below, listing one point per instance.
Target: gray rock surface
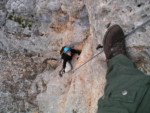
(12, 27)
(33, 31)
(21, 6)
(54, 5)
(2, 18)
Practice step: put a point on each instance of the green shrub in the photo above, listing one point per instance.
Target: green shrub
(19, 20)
(10, 17)
(23, 22)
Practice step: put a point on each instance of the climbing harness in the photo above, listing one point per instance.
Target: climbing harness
(128, 34)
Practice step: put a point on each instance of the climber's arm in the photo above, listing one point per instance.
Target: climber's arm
(64, 64)
(76, 51)
(65, 59)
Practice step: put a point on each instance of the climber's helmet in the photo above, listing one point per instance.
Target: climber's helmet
(66, 49)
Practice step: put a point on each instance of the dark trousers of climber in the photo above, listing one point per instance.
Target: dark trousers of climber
(127, 89)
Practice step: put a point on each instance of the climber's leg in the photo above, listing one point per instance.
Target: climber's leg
(127, 88)
(120, 64)
(68, 67)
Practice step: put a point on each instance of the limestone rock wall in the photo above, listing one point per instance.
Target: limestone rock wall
(33, 32)
(129, 15)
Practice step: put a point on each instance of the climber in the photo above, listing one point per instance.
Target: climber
(127, 89)
(66, 55)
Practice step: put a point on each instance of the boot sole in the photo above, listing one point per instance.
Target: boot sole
(108, 38)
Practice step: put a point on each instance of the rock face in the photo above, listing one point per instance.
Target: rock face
(33, 32)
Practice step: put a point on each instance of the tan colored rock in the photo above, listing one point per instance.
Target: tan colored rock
(29, 85)
(86, 85)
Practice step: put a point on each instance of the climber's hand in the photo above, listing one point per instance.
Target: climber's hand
(61, 72)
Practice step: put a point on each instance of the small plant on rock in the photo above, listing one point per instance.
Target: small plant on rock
(23, 22)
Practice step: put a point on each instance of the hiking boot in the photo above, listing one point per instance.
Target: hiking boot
(114, 42)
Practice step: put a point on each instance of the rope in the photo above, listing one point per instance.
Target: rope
(128, 34)
(142, 25)
(87, 61)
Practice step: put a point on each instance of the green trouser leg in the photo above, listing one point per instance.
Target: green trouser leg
(126, 88)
